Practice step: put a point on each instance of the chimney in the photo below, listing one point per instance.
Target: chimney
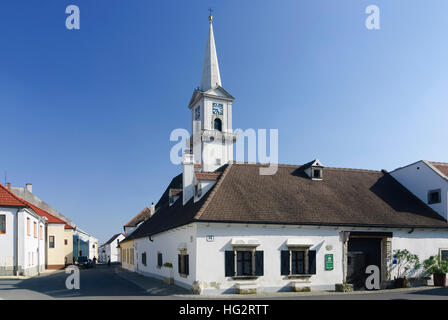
(29, 187)
(152, 209)
(187, 177)
(9, 186)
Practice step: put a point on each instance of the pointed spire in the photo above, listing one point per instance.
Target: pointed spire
(210, 72)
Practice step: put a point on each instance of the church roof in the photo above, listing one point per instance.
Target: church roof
(210, 72)
(345, 197)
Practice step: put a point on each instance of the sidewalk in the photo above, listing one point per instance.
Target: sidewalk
(159, 288)
(150, 285)
(42, 273)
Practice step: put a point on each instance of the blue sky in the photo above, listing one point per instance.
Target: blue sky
(86, 115)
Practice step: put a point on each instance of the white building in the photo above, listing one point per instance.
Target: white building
(110, 249)
(428, 181)
(231, 229)
(22, 236)
(84, 244)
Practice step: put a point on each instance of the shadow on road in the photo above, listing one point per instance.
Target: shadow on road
(100, 281)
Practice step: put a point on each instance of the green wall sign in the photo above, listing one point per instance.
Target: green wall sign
(328, 262)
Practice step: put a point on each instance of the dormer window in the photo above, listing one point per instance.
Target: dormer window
(198, 190)
(314, 170)
(317, 173)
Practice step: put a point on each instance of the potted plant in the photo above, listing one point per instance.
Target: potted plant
(438, 268)
(405, 262)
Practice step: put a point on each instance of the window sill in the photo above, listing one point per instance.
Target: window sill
(299, 276)
(183, 275)
(245, 277)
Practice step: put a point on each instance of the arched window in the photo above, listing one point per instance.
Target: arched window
(218, 124)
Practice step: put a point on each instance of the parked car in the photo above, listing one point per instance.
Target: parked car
(85, 262)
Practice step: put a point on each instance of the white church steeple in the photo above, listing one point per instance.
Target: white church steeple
(210, 72)
(211, 115)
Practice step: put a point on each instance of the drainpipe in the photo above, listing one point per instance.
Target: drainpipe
(16, 255)
(39, 236)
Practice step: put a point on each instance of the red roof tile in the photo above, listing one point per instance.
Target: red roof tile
(67, 226)
(7, 198)
(212, 176)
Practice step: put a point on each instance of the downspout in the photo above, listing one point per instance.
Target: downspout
(16, 254)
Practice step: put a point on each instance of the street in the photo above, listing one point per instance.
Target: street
(96, 283)
(103, 282)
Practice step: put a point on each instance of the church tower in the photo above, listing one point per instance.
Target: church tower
(211, 114)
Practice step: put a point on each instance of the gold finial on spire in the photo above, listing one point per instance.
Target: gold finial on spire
(210, 17)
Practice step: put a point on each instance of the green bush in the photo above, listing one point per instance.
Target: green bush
(435, 265)
(406, 262)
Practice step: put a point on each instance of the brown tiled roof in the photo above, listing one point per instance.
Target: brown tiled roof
(212, 176)
(441, 166)
(345, 197)
(175, 192)
(141, 216)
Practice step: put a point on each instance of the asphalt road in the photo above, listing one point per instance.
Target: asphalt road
(95, 283)
(102, 282)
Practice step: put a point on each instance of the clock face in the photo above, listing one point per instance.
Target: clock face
(217, 109)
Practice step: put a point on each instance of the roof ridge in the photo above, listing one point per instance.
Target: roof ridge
(34, 207)
(300, 165)
(213, 192)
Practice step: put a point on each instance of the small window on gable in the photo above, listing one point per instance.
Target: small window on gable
(434, 196)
